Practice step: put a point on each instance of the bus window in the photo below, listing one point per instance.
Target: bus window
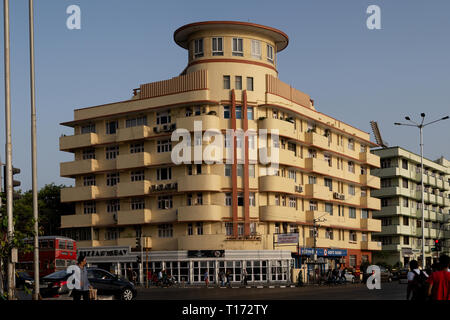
(50, 244)
(69, 245)
(43, 244)
(62, 244)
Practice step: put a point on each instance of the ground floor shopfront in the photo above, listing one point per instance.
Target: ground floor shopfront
(189, 267)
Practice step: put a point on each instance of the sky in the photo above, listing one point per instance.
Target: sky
(353, 74)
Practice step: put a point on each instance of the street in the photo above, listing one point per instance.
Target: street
(388, 291)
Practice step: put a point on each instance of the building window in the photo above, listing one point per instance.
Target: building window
(252, 199)
(88, 154)
(137, 147)
(135, 122)
(199, 226)
(228, 199)
(251, 170)
(312, 180)
(238, 83)
(111, 234)
(384, 202)
(256, 49)
(270, 53)
(165, 231)
(226, 82)
(229, 228)
(137, 175)
(112, 152)
(113, 206)
(405, 221)
(313, 205)
(292, 202)
(199, 168)
(226, 112)
(329, 234)
(240, 199)
(292, 175)
(352, 213)
(351, 190)
(111, 127)
(190, 229)
(385, 163)
(189, 199)
(240, 229)
(352, 236)
(137, 204)
(250, 84)
(112, 179)
(89, 128)
(164, 146)
(329, 184)
(165, 202)
(217, 46)
(250, 114)
(228, 169)
(351, 167)
(198, 48)
(351, 144)
(405, 164)
(364, 214)
(277, 227)
(405, 202)
(405, 183)
(364, 236)
(406, 240)
(240, 170)
(329, 208)
(199, 199)
(90, 207)
(163, 117)
(89, 181)
(189, 170)
(238, 48)
(327, 159)
(164, 174)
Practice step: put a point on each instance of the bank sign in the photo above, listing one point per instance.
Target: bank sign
(324, 252)
(104, 252)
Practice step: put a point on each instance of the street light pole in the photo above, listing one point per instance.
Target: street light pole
(421, 126)
(34, 154)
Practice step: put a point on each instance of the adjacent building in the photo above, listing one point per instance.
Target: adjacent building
(401, 206)
(200, 215)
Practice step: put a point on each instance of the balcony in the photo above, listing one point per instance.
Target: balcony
(134, 217)
(208, 122)
(284, 128)
(79, 194)
(320, 166)
(68, 143)
(69, 169)
(373, 225)
(87, 220)
(369, 181)
(202, 182)
(276, 184)
(320, 242)
(278, 213)
(319, 192)
(370, 245)
(371, 203)
(133, 189)
(328, 219)
(370, 159)
(133, 160)
(317, 140)
(133, 133)
(200, 213)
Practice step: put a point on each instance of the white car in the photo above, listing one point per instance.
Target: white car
(349, 277)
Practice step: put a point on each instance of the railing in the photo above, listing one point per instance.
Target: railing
(282, 89)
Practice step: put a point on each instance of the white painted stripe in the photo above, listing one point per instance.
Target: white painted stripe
(260, 287)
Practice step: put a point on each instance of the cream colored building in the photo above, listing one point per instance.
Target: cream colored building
(126, 184)
(401, 206)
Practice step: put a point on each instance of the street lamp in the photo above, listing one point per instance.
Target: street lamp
(421, 126)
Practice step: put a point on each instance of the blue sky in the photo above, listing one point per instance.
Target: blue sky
(352, 73)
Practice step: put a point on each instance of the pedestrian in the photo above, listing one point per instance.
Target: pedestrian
(417, 282)
(222, 278)
(83, 289)
(228, 275)
(206, 278)
(160, 277)
(244, 276)
(439, 281)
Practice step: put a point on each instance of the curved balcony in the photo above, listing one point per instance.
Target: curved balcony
(370, 181)
(133, 160)
(79, 194)
(319, 192)
(284, 128)
(87, 220)
(320, 166)
(208, 122)
(317, 140)
(203, 182)
(370, 159)
(371, 203)
(278, 213)
(72, 168)
(200, 213)
(133, 189)
(68, 143)
(133, 133)
(371, 225)
(276, 184)
(133, 217)
(370, 245)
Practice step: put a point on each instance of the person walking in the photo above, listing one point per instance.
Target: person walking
(244, 276)
(439, 281)
(222, 278)
(228, 276)
(206, 278)
(417, 282)
(83, 290)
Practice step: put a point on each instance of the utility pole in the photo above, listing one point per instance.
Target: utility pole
(8, 149)
(315, 229)
(34, 155)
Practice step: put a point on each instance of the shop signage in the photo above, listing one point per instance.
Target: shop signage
(104, 252)
(324, 252)
(284, 238)
(206, 253)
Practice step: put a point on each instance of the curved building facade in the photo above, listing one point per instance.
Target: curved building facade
(256, 201)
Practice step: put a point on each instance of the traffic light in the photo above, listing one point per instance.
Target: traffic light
(16, 183)
(437, 245)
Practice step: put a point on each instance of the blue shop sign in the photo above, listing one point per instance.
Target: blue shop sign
(321, 252)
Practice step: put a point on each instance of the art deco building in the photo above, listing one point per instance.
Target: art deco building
(127, 186)
(401, 206)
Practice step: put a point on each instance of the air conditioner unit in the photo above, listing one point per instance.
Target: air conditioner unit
(341, 197)
(336, 195)
(299, 189)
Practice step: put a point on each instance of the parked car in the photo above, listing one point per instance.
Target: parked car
(402, 275)
(108, 284)
(349, 277)
(54, 284)
(385, 274)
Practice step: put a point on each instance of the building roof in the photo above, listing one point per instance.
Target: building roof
(181, 35)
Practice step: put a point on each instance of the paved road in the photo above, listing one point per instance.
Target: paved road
(388, 291)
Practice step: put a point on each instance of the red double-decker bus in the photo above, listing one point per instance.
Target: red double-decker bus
(55, 253)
